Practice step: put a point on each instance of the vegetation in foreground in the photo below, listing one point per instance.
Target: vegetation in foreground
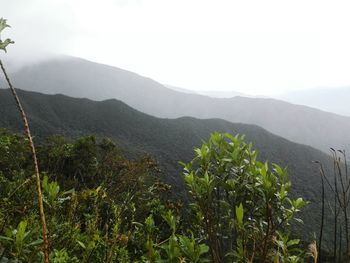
(101, 207)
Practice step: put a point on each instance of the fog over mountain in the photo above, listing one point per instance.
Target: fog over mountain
(334, 100)
(211, 93)
(80, 78)
(181, 89)
(223, 94)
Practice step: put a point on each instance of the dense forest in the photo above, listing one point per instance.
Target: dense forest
(102, 207)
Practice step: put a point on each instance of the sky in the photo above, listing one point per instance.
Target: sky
(254, 47)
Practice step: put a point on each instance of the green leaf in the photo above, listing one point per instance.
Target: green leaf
(171, 220)
(189, 178)
(3, 24)
(81, 244)
(36, 243)
(293, 242)
(5, 238)
(4, 44)
(149, 223)
(239, 214)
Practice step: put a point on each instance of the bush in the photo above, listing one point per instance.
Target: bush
(102, 207)
(241, 205)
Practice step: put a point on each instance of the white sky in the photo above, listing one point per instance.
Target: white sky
(255, 47)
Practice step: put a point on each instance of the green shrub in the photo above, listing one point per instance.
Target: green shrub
(241, 205)
(102, 207)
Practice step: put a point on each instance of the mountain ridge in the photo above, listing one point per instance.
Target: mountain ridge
(80, 78)
(328, 99)
(167, 140)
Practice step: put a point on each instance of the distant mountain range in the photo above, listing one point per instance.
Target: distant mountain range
(181, 89)
(211, 93)
(167, 140)
(80, 78)
(334, 100)
(329, 99)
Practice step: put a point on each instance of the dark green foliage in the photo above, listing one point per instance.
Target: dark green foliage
(94, 199)
(101, 207)
(167, 141)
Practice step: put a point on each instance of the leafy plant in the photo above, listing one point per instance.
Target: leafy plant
(241, 204)
(6, 42)
(20, 244)
(239, 211)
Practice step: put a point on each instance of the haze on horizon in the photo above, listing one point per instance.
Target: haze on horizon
(253, 47)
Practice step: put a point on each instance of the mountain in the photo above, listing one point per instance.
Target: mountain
(329, 99)
(167, 140)
(223, 94)
(181, 89)
(80, 78)
(210, 93)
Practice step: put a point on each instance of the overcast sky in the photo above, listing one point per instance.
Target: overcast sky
(255, 47)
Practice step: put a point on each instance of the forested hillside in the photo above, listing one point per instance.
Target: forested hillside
(84, 79)
(168, 141)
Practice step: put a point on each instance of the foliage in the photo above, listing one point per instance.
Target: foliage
(242, 204)
(102, 207)
(168, 141)
(94, 199)
(6, 42)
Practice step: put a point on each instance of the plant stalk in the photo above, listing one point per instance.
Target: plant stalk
(45, 248)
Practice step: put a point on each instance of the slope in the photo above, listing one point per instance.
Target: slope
(329, 99)
(80, 78)
(167, 140)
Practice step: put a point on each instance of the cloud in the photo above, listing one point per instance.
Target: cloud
(39, 28)
(249, 46)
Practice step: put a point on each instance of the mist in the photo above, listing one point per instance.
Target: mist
(197, 45)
